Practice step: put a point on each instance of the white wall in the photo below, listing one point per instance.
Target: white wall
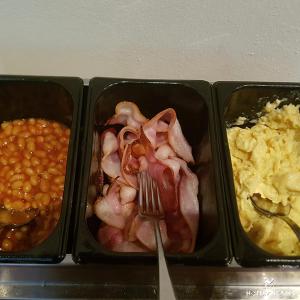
(213, 40)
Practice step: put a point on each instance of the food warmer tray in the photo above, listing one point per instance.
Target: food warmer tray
(68, 280)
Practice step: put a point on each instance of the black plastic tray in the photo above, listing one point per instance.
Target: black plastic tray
(194, 107)
(236, 99)
(53, 98)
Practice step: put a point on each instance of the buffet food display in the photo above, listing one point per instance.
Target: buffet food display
(69, 163)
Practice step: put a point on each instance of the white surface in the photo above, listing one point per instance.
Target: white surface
(212, 40)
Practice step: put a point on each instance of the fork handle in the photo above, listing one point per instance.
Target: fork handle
(166, 290)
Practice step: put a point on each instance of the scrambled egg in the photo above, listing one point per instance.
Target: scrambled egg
(266, 160)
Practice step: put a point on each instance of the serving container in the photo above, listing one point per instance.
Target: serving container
(246, 99)
(195, 111)
(53, 98)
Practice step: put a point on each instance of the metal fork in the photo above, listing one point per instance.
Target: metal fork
(150, 207)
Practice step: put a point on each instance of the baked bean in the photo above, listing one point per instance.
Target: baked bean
(42, 123)
(27, 196)
(12, 160)
(54, 195)
(53, 171)
(29, 171)
(21, 142)
(32, 121)
(17, 184)
(56, 125)
(40, 153)
(39, 169)
(17, 205)
(32, 129)
(26, 162)
(61, 187)
(7, 203)
(34, 180)
(50, 137)
(17, 177)
(59, 180)
(4, 170)
(11, 147)
(11, 138)
(9, 174)
(48, 147)
(45, 161)
(27, 155)
(18, 168)
(24, 134)
(58, 131)
(19, 122)
(64, 140)
(8, 129)
(31, 146)
(16, 130)
(27, 187)
(46, 175)
(46, 130)
(54, 188)
(3, 161)
(60, 156)
(33, 158)
(4, 125)
(40, 139)
(15, 193)
(45, 199)
(35, 161)
(44, 185)
(2, 187)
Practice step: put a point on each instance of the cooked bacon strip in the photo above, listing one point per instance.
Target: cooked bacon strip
(110, 162)
(110, 208)
(158, 146)
(165, 128)
(127, 136)
(127, 194)
(145, 234)
(128, 114)
(129, 167)
(189, 205)
(110, 236)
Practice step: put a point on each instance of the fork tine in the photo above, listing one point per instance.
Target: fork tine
(152, 195)
(155, 200)
(147, 183)
(160, 208)
(149, 196)
(141, 190)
